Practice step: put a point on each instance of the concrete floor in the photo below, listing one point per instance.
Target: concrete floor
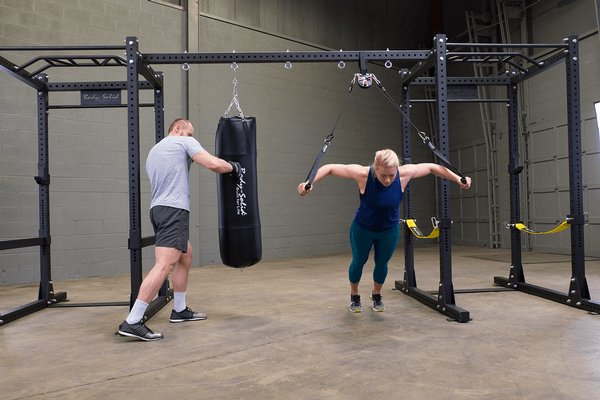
(281, 330)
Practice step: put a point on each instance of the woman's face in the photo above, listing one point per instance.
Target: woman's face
(385, 175)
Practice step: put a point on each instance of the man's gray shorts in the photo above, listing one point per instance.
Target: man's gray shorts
(171, 227)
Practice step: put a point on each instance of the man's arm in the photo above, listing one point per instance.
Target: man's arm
(211, 162)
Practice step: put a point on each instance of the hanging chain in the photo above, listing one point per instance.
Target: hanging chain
(235, 100)
(234, 67)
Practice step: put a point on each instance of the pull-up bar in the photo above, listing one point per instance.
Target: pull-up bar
(283, 56)
(61, 48)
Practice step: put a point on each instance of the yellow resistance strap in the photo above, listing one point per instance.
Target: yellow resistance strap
(564, 225)
(412, 225)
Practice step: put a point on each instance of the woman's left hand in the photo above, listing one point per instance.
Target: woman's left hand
(465, 185)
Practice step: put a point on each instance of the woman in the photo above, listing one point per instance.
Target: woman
(381, 187)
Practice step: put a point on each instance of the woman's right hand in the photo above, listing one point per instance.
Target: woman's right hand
(302, 191)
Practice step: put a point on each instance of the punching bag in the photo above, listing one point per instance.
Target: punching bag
(239, 221)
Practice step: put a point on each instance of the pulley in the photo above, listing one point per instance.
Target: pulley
(364, 80)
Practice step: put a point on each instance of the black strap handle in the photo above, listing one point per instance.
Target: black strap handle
(315, 167)
(444, 160)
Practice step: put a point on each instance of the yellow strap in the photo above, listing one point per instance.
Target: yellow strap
(415, 230)
(564, 225)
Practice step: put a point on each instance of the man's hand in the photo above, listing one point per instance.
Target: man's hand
(236, 171)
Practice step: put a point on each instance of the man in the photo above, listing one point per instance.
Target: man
(381, 188)
(168, 166)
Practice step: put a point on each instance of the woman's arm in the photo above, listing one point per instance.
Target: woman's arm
(349, 171)
(411, 171)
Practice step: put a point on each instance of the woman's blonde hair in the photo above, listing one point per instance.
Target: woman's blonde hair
(386, 158)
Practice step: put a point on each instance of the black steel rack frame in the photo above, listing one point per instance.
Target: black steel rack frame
(429, 67)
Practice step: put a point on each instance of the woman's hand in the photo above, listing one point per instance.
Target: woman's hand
(465, 185)
(302, 189)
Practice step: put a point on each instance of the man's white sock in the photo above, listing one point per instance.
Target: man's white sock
(179, 301)
(137, 312)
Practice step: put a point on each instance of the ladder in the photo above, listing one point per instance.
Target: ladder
(485, 29)
(482, 29)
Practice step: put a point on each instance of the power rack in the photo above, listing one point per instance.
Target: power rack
(426, 68)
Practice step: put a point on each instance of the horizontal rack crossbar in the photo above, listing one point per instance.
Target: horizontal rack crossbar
(62, 48)
(430, 81)
(296, 56)
(510, 45)
(461, 100)
(76, 86)
(73, 106)
(22, 243)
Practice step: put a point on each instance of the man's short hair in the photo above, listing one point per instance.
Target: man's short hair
(176, 123)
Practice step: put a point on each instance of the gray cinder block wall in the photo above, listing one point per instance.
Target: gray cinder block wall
(295, 109)
(88, 148)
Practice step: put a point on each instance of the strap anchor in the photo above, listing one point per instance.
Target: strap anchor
(412, 225)
(565, 224)
(234, 101)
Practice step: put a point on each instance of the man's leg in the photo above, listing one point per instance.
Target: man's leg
(181, 312)
(182, 270)
(166, 259)
(133, 326)
(180, 279)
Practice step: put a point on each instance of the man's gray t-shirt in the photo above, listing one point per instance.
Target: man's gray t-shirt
(168, 165)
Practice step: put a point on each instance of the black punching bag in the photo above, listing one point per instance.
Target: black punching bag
(239, 221)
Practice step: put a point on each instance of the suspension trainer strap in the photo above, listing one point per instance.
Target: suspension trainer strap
(412, 225)
(426, 140)
(441, 157)
(559, 228)
(315, 167)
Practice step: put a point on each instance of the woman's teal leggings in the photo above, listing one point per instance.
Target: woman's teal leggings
(361, 241)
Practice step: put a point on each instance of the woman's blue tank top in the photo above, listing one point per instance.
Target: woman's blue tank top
(379, 205)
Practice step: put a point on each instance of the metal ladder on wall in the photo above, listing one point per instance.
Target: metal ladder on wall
(504, 9)
(484, 29)
(481, 30)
